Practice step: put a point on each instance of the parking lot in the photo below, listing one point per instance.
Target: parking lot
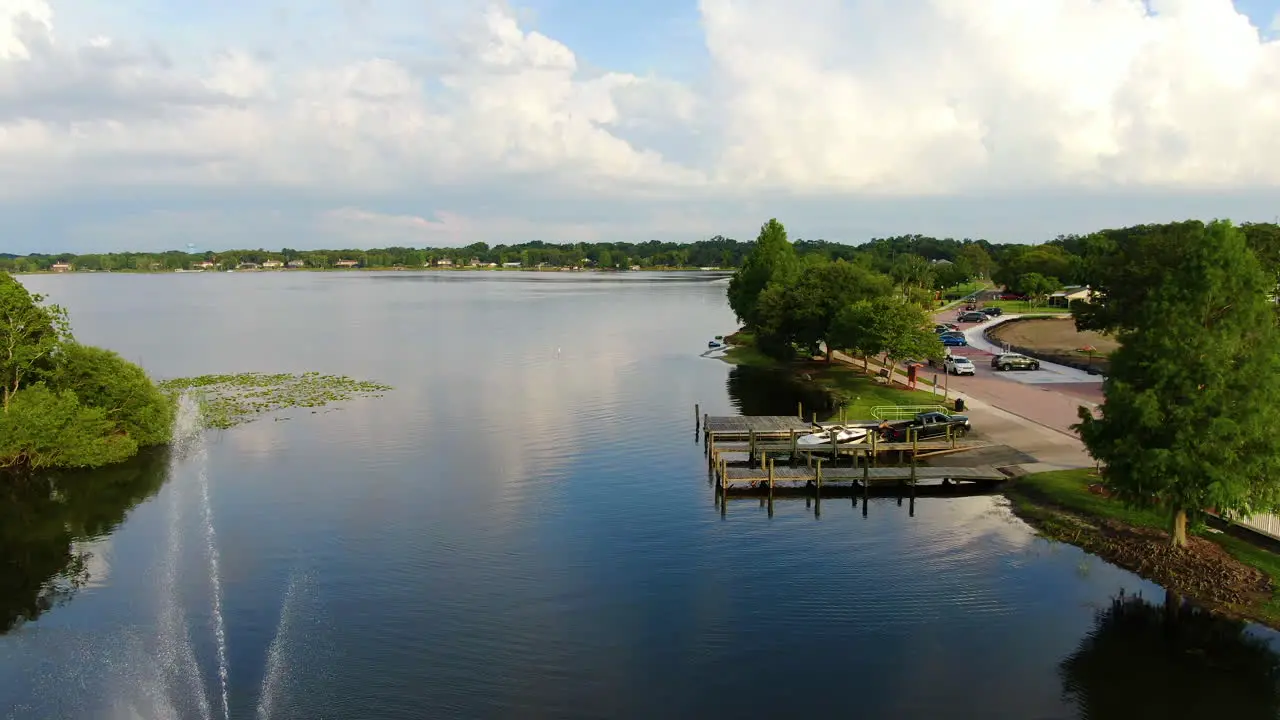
(1049, 396)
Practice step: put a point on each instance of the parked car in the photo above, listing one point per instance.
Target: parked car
(974, 316)
(945, 327)
(1012, 296)
(954, 341)
(959, 365)
(928, 424)
(1014, 361)
(992, 311)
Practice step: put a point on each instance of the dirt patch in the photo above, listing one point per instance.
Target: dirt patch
(1203, 570)
(1056, 340)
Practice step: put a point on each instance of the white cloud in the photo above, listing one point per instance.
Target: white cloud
(826, 99)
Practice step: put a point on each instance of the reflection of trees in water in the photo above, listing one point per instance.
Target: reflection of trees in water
(765, 391)
(41, 516)
(1172, 661)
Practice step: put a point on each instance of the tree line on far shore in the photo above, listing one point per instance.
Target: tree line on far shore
(1191, 417)
(66, 404)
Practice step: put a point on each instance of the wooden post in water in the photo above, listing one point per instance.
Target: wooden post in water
(800, 409)
(915, 439)
(815, 417)
(770, 473)
(751, 445)
(818, 490)
(697, 417)
(764, 458)
(794, 446)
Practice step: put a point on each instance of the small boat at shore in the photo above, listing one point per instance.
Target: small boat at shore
(713, 344)
(843, 434)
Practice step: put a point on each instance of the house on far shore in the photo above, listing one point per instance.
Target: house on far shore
(295, 264)
(347, 263)
(511, 264)
(1069, 294)
(203, 264)
(444, 262)
(272, 265)
(248, 266)
(60, 267)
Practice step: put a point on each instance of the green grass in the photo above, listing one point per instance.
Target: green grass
(860, 392)
(1038, 496)
(1069, 489)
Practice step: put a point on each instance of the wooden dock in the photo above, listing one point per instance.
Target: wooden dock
(742, 454)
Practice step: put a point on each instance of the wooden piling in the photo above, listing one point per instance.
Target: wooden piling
(751, 445)
(771, 473)
(697, 417)
(819, 488)
(800, 409)
(795, 437)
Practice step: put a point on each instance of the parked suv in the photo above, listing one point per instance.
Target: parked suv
(959, 365)
(992, 311)
(1014, 361)
(973, 316)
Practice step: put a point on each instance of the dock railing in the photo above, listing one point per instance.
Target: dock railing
(905, 412)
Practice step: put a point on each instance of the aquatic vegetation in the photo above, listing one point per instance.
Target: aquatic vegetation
(230, 400)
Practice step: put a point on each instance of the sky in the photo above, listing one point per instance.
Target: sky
(150, 124)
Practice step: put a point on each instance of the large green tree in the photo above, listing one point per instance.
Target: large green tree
(31, 334)
(128, 398)
(1192, 401)
(801, 312)
(887, 326)
(773, 259)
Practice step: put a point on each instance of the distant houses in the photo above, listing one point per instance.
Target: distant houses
(296, 264)
(1069, 294)
(272, 265)
(444, 262)
(248, 266)
(347, 263)
(204, 265)
(60, 267)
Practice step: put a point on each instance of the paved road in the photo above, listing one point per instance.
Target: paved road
(1050, 397)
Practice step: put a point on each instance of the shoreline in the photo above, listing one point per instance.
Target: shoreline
(1224, 568)
(181, 271)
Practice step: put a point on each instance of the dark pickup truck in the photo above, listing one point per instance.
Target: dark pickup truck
(929, 424)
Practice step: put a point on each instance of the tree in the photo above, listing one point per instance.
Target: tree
(912, 271)
(949, 275)
(128, 398)
(889, 326)
(801, 312)
(1037, 287)
(772, 259)
(30, 336)
(1047, 260)
(1192, 400)
(975, 259)
(43, 429)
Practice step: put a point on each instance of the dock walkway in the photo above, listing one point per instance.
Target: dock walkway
(763, 438)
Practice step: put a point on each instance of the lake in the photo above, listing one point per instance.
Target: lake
(523, 527)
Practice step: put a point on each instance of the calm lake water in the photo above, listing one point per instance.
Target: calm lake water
(523, 528)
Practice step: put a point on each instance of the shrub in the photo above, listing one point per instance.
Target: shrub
(103, 380)
(43, 428)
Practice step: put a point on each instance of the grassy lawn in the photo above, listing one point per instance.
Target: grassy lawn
(860, 392)
(1039, 496)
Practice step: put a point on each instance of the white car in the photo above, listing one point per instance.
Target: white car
(959, 365)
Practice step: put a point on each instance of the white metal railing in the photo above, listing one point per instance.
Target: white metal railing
(905, 412)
